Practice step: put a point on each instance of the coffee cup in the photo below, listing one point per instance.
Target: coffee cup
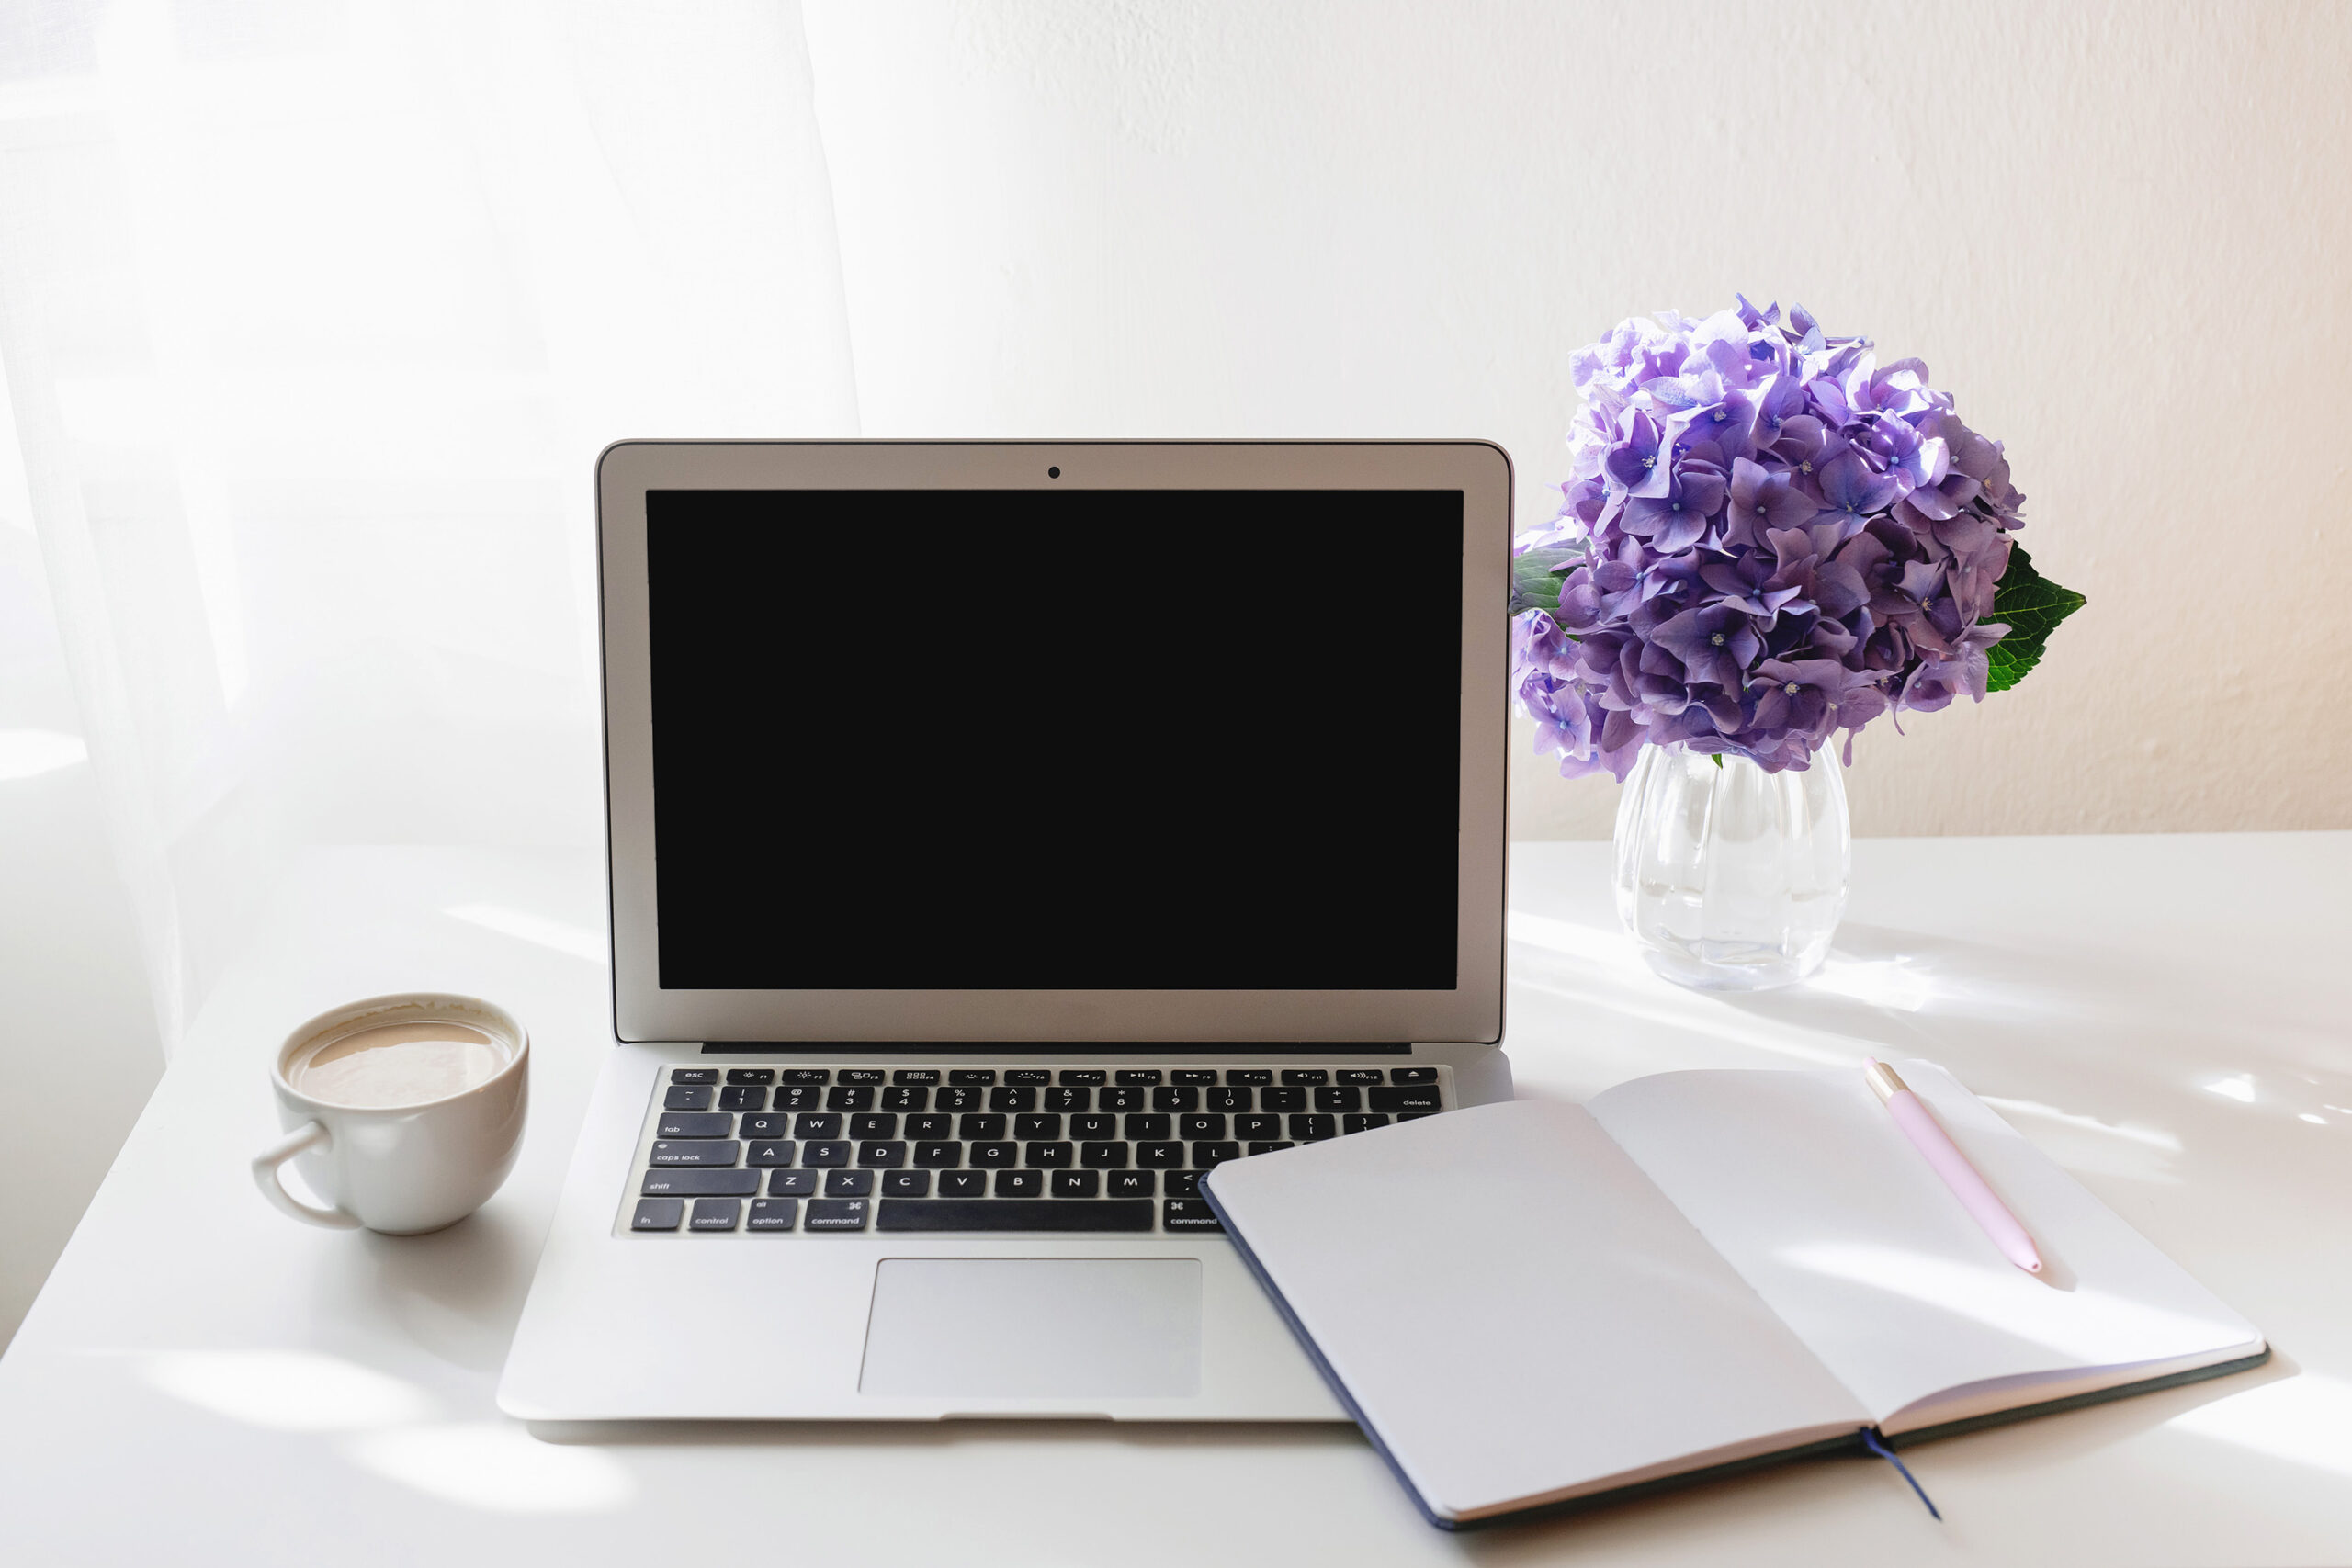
(405, 1112)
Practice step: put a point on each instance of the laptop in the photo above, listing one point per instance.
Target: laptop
(1002, 834)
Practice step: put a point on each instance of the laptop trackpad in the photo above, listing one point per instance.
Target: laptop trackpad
(1034, 1329)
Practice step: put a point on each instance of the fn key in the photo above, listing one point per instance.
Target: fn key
(1188, 1214)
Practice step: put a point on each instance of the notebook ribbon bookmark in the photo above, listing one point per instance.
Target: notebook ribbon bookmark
(1871, 1441)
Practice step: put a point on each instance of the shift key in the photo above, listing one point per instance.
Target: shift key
(697, 1151)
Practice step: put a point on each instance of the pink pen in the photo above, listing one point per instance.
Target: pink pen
(1939, 1152)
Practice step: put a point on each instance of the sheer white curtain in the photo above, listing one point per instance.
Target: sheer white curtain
(314, 317)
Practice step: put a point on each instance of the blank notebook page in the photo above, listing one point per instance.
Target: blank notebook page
(1804, 1183)
(1516, 1311)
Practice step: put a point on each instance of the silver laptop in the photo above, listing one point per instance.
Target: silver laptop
(1002, 835)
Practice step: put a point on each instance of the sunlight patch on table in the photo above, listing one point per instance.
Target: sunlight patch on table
(287, 1391)
(497, 1468)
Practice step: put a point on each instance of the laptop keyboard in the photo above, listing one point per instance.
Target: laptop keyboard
(793, 1150)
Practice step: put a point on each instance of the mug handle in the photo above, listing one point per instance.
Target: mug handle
(265, 1176)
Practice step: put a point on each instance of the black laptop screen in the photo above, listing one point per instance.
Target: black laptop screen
(1056, 739)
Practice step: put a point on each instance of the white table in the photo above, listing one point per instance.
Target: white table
(204, 1382)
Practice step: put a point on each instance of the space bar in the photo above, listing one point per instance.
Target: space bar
(1014, 1214)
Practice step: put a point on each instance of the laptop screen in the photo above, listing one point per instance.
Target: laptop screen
(1056, 739)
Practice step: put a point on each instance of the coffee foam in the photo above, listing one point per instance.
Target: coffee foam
(399, 1063)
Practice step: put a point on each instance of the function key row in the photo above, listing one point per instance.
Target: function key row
(775, 1215)
(1022, 1100)
(1069, 1077)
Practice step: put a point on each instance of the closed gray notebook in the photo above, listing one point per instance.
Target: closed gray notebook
(1532, 1304)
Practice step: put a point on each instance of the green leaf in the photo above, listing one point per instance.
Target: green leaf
(1535, 576)
(2032, 606)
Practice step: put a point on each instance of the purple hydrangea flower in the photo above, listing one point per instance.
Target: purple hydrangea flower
(1774, 539)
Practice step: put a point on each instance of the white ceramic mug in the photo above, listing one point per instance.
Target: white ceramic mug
(399, 1169)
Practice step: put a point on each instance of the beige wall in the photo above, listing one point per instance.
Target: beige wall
(2119, 235)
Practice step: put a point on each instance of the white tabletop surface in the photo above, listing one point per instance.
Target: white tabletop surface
(203, 1381)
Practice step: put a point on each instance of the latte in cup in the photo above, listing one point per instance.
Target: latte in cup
(399, 1063)
(402, 1114)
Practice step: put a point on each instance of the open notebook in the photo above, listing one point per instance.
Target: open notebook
(1531, 1303)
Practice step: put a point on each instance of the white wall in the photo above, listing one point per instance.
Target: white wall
(2117, 234)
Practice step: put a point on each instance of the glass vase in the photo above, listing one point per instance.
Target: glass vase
(1730, 878)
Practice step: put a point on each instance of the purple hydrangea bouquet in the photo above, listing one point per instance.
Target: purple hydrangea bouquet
(1767, 538)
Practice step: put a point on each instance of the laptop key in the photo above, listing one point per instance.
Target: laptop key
(906, 1184)
(688, 1097)
(1189, 1215)
(694, 1074)
(1016, 1215)
(1138, 1077)
(1360, 1075)
(1270, 1146)
(837, 1214)
(931, 1125)
(1047, 1126)
(1305, 1076)
(751, 1075)
(905, 1099)
(697, 1151)
(694, 1125)
(1335, 1099)
(1028, 1076)
(1129, 1184)
(793, 1184)
(971, 1075)
(1198, 1077)
(938, 1156)
(1209, 1155)
(658, 1215)
(979, 1125)
(1227, 1100)
(992, 1156)
(772, 1214)
(1046, 1157)
(1081, 1077)
(699, 1183)
(856, 1097)
(1094, 1125)
(915, 1075)
(1014, 1099)
(816, 1124)
(863, 1075)
(805, 1074)
(1416, 1098)
(1019, 1184)
(716, 1215)
(960, 1099)
(742, 1098)
(1077, 1183)
(1281, 1099)
(1068, 1098)
(1176, 1099)
(873, 1124)
(883, 1154)
(1200, 1126)
(1309, 1128)
(1259, 1126)
(774, 1153)
(1159, 1156)
(825, 1154)
(1149, 1124)
(797, 1096)
(849, 1184)
(1362, 1122)
(1247, 1077)
(961, 1184)
(1102, 1156)
(769, 1125)
(1412, 1075)
(1183, 1184)
(1122, 1100)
